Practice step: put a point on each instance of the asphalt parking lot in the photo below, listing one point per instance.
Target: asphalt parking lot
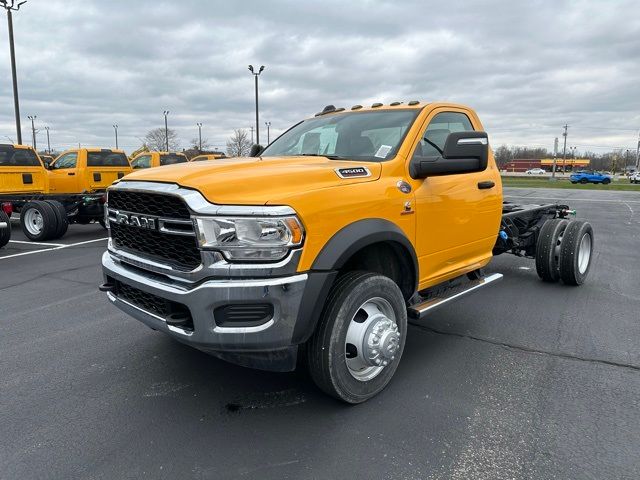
(523, 380)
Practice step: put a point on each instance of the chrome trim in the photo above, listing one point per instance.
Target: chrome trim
(337, 170)
(4, 224)
(146, 262)
(115, 299)
(419, 310)
(161, 222)
(258, 328)
(473, 141)
(199, 204)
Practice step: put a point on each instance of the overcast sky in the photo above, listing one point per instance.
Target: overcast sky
(526, 67)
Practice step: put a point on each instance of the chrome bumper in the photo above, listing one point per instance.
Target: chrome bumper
(284, 293)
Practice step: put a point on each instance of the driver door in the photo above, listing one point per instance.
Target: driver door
(63, 177)
(458, 215)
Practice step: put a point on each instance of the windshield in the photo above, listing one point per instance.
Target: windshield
(371, 136)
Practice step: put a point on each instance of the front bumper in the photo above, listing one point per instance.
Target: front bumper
(257, 346)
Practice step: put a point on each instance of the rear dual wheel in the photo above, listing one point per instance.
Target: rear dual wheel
(5, 232)
(564, 251)
(43, 220)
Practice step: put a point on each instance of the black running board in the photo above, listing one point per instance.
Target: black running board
(421, 309)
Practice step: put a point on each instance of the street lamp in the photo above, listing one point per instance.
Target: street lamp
(256, 75)
(166, 131)
(10, 5)
(33, 129)
(199, 136)
(268, 124)
(115, 129)
(48, 142)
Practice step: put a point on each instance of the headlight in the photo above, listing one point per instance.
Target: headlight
(250, 238)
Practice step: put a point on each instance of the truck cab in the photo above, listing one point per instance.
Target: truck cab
(87, 170)
(157, 159)
(208, 156)
(21, 171)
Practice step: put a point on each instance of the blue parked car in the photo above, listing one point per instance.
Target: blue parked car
(590, 177)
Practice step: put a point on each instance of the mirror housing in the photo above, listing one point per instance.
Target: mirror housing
(256, 150)
(464, 152)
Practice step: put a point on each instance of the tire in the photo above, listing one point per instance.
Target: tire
(584, 180)
(38, 221)
(576, 251)
(61, 217)
(332, 361)
(548, 249)
(606, 181)
(5, 233)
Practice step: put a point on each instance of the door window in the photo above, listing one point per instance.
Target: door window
(68, 160)
(436, 133)
(143, 161)
(172, 158)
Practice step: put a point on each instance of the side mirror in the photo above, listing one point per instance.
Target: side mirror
(256, 150)
(463, 152)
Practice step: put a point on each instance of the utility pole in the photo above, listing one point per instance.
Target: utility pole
(48, 142)
(638, 153)
(166, 131)
(564, 149)
(115, 129)
(33, 130)
(555, 158)
(268, 124)
(255, 76)
(199, 137)
(9, 6)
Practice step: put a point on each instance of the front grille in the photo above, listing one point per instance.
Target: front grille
(179, 251)
(145, 203)
(161, 307)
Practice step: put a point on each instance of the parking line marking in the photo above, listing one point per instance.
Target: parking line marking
(54, 248)
(569, 199)
(37, 243)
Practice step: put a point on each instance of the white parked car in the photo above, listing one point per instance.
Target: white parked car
(536, 171)
(634, 177)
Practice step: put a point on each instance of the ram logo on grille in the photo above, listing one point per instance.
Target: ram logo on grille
(136, 220)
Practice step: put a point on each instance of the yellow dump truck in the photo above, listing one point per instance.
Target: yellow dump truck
(327, 242)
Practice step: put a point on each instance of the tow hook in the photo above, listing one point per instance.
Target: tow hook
(107, 287)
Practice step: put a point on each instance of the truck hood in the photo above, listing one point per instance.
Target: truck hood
(256, 181)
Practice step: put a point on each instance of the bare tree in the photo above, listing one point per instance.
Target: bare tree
(156, 140)
(238, 144)
(195, 144)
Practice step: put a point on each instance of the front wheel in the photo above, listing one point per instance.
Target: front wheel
(360, 337)
(584, 180)
(606, 181)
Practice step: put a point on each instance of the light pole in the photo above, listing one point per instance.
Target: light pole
(268, 124)
(199, 136)
(115, 129)
(256, 75)
(48, 142)
(33, 130)
(10, 5)
(166, 131)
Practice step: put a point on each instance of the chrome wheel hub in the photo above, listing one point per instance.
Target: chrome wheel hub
(372, 340)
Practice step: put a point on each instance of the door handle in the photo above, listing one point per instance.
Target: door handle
(486, 184)
(71, 174)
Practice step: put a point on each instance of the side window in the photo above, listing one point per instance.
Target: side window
(68, 160)
(438, 129)
(144, 161)
(172, 158)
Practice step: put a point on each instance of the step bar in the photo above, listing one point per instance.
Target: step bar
(421, 309)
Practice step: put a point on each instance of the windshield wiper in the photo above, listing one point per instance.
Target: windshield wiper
(330, 157)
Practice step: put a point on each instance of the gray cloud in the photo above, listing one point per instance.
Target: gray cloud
(527, 67)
